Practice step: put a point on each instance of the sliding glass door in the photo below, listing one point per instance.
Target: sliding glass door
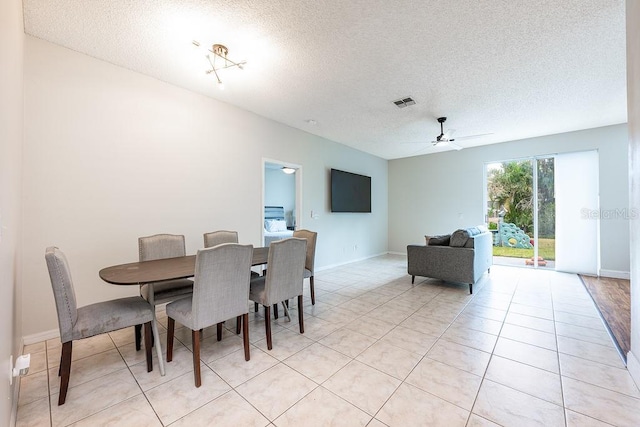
(543, 211)
(521, 211)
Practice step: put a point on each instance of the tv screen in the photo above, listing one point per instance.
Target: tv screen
(350, 192)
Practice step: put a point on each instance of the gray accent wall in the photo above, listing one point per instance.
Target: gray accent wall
(111, 155)
(439, 193)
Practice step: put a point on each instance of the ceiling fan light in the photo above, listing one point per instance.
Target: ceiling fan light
(288, 170)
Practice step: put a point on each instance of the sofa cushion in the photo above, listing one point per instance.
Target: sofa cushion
(459, 238)
(442, 240)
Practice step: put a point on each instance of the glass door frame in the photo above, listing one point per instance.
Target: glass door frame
(535, 208)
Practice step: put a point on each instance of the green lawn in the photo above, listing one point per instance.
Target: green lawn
(546, 250)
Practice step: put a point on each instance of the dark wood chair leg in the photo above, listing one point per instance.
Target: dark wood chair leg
(65, 366)
(195, 341)
(245, 335)
(219, 331)
(147, 345)
(171, 326)
(471, 288)
(313, 291)
(275, 311)
(413, 279)
(255, 307)
(300, 311)
(238, 322)
(138, 333)
(267, 325)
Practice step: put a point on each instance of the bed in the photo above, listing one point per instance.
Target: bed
(275, 225)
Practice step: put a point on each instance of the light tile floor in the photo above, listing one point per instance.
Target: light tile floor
(527, 349)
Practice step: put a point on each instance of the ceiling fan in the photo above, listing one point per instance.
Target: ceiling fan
(444, 139)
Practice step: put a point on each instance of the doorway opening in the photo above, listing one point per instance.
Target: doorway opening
(281, 200)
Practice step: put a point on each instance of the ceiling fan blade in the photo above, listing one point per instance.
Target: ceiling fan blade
(474, 136)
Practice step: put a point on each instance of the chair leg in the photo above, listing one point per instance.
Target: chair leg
(238, 322)
(275, 311)
(413, 279)
(313, 291)
(65, 366)
(300, 318)
(147, 345)
(195, 341)
(470, 288)
(255, 307)
(267, 325)
(245, 335)
(138, 333)
(171, 326)
(219, 331)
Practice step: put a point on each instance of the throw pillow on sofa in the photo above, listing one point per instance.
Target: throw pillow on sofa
(442, 240)
(459, 238)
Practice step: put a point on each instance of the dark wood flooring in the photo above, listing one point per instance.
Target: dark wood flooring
(613, 299)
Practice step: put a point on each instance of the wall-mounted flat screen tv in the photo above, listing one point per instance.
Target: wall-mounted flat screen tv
(350, 192)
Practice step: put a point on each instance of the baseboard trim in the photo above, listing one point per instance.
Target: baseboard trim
(340, 264)
(615, 274)
(633, 366)
(40, 336)
(398, 253)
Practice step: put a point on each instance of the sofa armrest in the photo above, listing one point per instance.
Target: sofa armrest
(483, 258)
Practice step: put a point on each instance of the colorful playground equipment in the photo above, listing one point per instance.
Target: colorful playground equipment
(512, 236)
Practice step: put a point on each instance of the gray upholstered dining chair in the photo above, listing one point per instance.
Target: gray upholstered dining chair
(285, 271)
(76, 323)
(220, 292)
(216, 238)
(162, 246)
(311, 237)
(219, 237)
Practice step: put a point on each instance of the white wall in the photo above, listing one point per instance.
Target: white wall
(11, 114)
(438, 193)
(280, 190)
(633, 108)
(111, 155)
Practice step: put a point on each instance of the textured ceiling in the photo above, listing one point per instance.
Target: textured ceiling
(513, 69)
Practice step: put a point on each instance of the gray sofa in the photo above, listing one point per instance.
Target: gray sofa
(464, 259)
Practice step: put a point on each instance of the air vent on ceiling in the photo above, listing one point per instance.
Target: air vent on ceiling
(404, 102)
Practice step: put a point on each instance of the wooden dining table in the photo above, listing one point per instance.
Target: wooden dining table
(159, 270)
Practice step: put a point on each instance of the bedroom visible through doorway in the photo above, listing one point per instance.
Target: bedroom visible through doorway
(281, 183)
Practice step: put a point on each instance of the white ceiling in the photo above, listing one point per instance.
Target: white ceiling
(512, 68)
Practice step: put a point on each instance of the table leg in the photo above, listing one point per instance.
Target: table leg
(286, 310)
(156, 334)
